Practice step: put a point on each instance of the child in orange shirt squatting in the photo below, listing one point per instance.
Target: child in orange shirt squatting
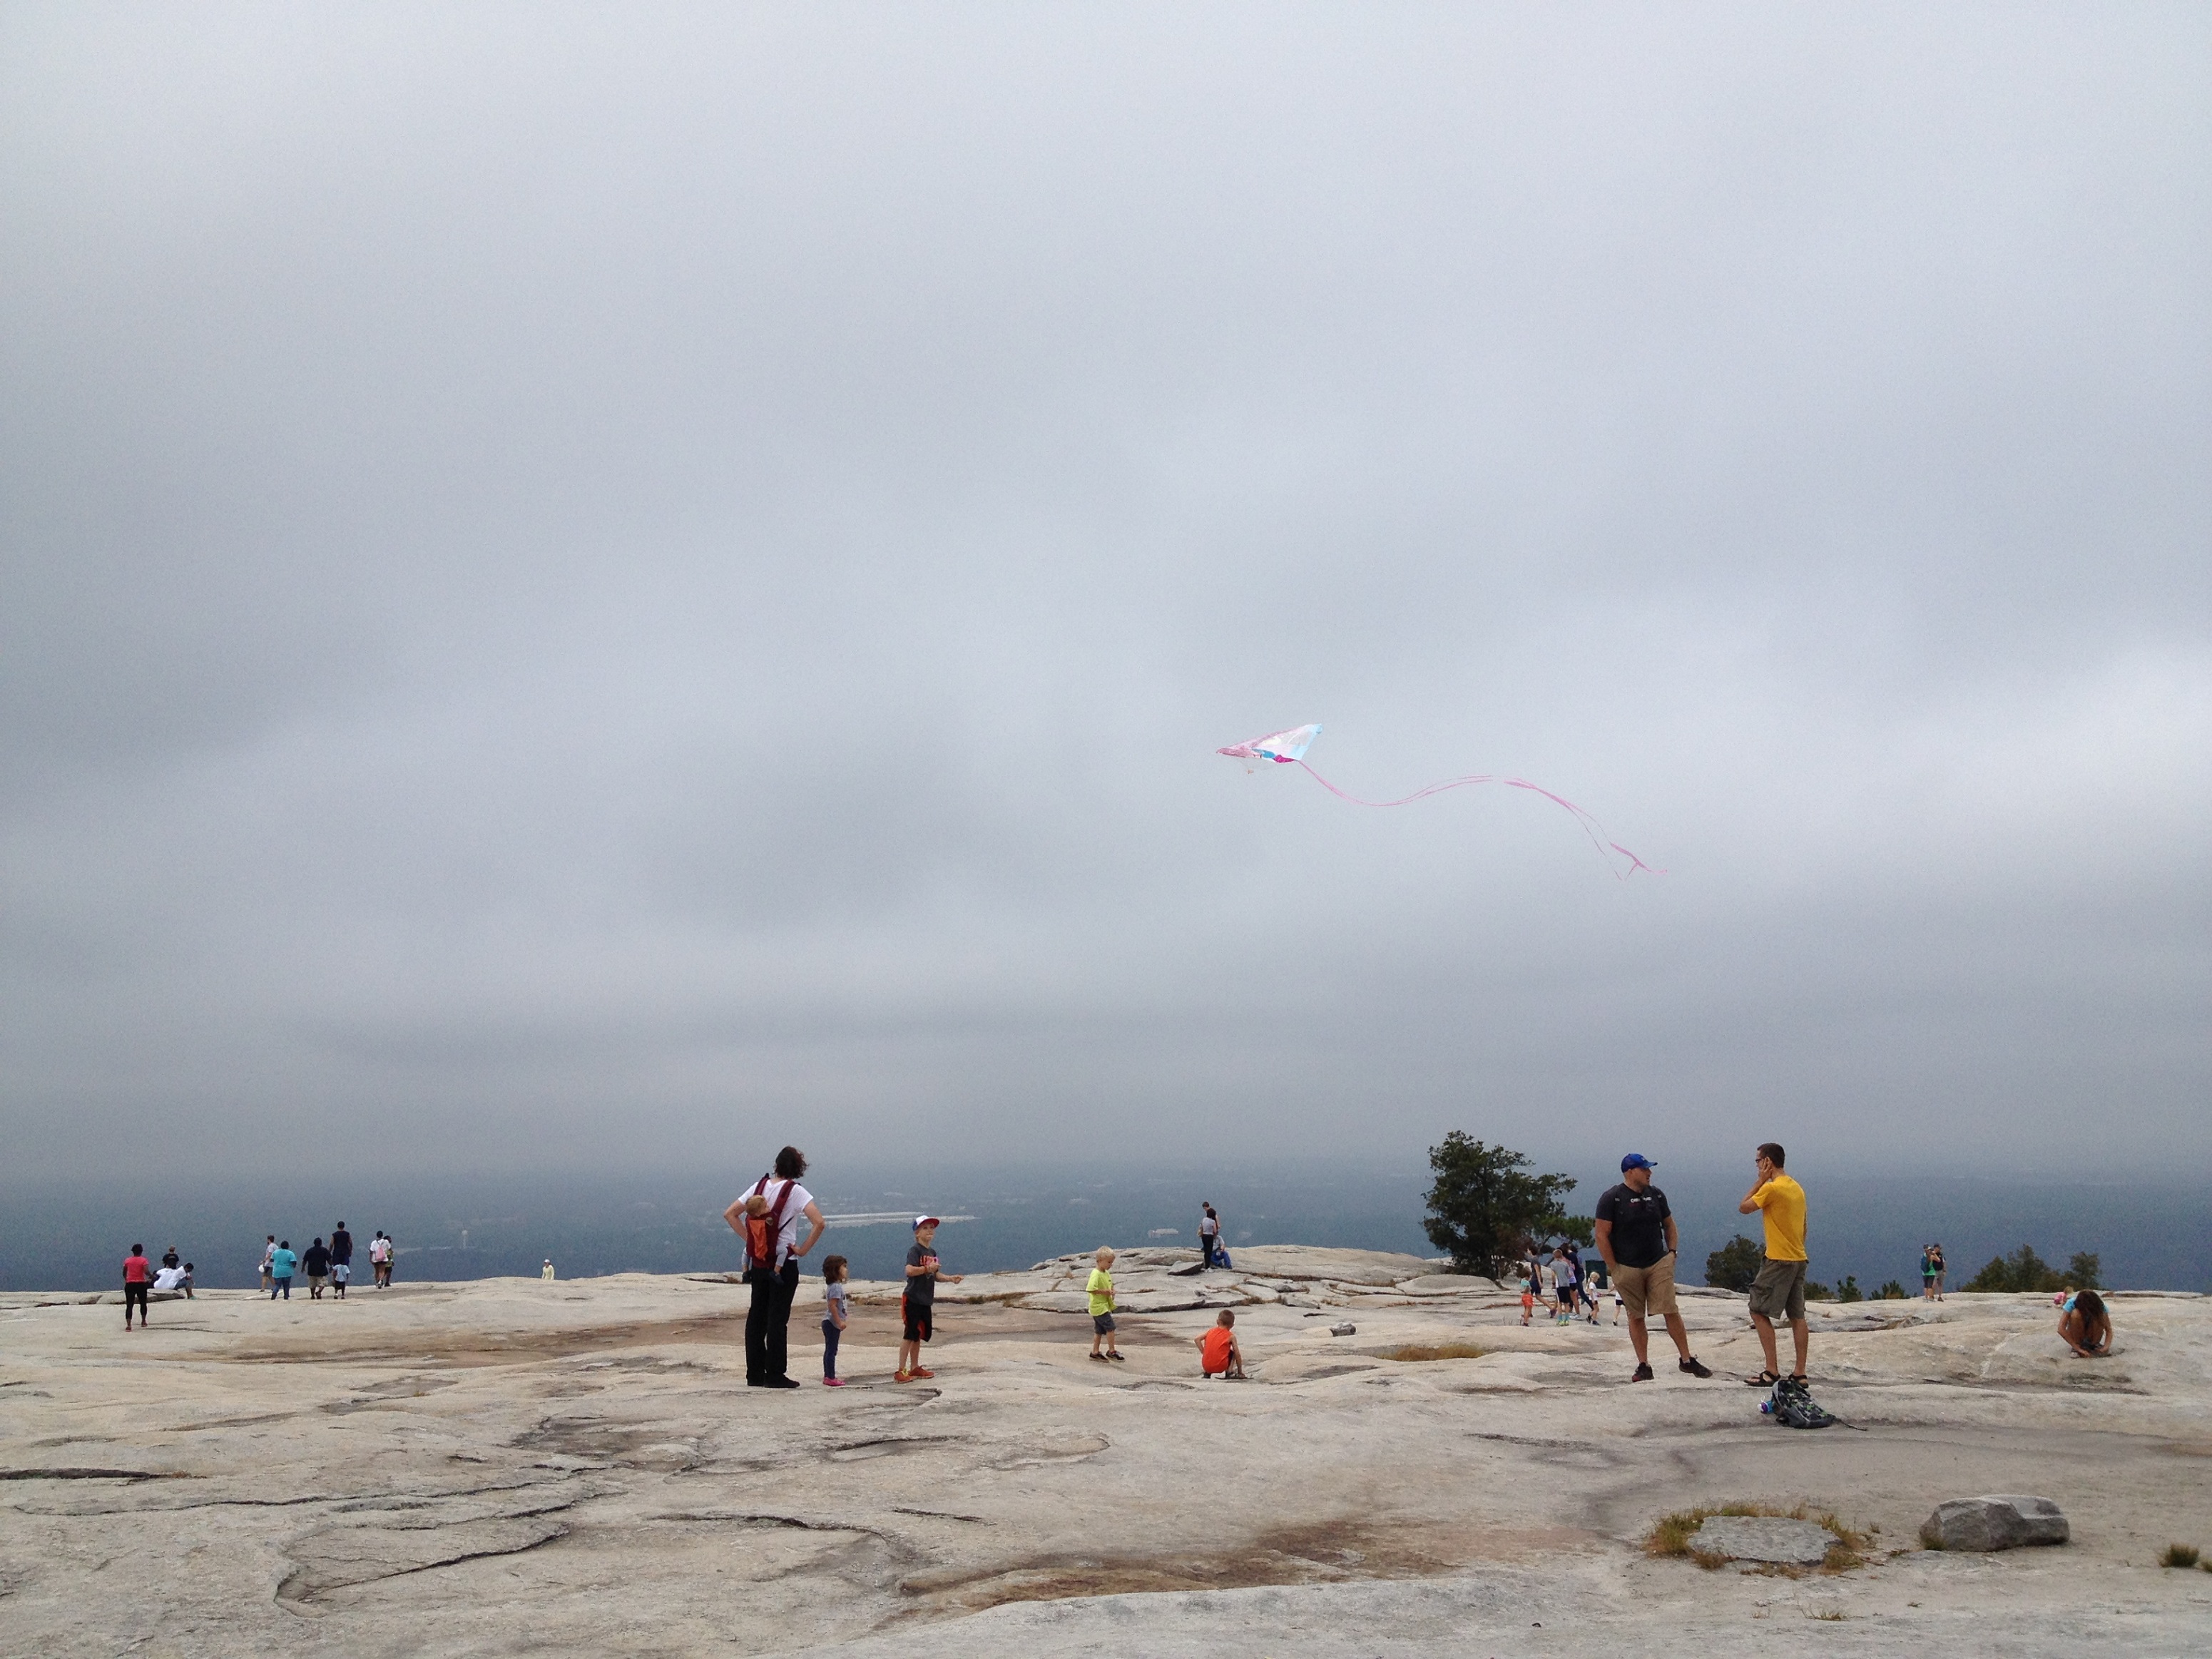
(1217, 1352)
(918, 1307)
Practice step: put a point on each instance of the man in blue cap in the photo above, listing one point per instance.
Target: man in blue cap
(1636, 1236)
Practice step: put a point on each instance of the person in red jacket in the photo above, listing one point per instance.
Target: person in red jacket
(137, 1276)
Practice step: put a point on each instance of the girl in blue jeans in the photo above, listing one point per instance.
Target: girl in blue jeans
(837, 1312)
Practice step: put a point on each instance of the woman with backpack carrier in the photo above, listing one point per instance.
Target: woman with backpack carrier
(767, 1218)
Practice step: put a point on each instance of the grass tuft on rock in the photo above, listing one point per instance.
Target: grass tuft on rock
(2178, 1555)
(1671, 1534)
(1420, 1351)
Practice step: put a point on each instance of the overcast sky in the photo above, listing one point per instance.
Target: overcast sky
(591, 585)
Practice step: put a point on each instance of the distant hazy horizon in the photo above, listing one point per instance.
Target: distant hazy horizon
(2151, 1236)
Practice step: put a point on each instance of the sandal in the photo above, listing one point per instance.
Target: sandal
(1100, 1357)
(1764, 1380)
(1117, 1355)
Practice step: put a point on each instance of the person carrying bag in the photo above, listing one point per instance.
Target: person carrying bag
(767, 1218)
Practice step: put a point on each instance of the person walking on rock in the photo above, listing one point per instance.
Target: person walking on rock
(317, 1261)
(1779, 1292)
(268, 1254)
(1636, 1237)
(341, 1260)
(1100, 1289)
(1209, 1236)
(380, 1260)
(772, 1253)
(137, 1276)
(282, 1266)
(1566, 1278)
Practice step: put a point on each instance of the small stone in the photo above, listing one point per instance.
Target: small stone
(1344, 1330)
(1775, 1540)
(2001, 1521)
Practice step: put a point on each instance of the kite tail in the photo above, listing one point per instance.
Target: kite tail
(1600, 838)
(1419, 794)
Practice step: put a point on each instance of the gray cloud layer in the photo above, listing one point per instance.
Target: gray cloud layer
(585, 582)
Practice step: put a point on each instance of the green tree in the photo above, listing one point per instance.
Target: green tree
(1816, 1292)
(1583, 1229)
(1848, 1290)
(2082, 1272)
(1734, 1265)
(1483, 1209)
(1891, 1291)
(2023, 1270)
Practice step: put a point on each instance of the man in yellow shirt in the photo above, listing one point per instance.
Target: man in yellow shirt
(1779, 1291)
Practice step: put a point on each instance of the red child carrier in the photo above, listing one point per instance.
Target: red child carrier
(762, 1231)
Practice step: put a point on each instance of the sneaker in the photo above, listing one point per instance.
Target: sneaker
(1694, 1369)
(902, 1377)
(1642, 1374)
(918, 1372)
(780, 1382)
(1117, 1356)
(833, 1381)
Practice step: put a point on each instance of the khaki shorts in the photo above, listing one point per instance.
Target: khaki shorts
(1646, 1290)
(1779, 1292)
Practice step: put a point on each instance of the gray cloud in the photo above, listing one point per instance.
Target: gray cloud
(579, 582)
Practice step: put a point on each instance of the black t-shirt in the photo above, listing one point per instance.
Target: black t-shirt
(921, 1288)
(342, 1246)
(318, 1262)
(1639, 1224)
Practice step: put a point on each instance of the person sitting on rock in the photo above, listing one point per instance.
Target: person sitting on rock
(1219, 1354)
(2087, 1326)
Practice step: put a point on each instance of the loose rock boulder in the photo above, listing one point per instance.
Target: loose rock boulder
(2002, 1521)
(1773, 1539)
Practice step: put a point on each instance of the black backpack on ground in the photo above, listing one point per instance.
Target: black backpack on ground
(1793, 1406)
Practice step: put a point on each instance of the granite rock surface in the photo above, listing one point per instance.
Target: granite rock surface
(516, 1466)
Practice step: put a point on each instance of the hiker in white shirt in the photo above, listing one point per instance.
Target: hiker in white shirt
(775, 1281)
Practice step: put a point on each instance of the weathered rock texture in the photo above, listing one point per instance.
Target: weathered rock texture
(1769, 1538)
(518, 1466)
(2004, 1521)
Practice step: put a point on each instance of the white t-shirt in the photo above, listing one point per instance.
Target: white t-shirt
(169, 1278)
(794, 1210)
(379, 1250)
(268, 1254)
(1207, 1224)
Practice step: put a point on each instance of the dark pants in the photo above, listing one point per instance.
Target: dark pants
(1205, 1241)
(830, 1335)
(768, 1323)
(134, 1296)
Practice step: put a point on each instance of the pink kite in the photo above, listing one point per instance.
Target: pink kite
(1289, 749)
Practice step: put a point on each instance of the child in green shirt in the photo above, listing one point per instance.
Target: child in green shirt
(1100, 1288)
